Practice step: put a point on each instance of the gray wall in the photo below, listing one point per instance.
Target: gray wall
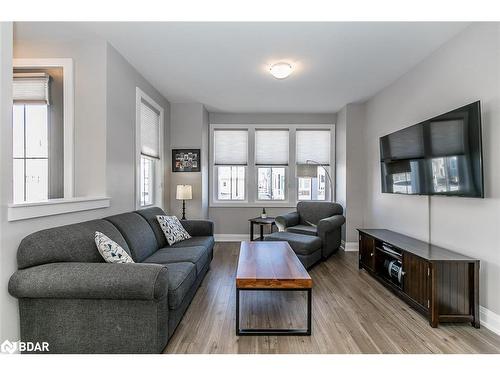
(341, 160)
(234, 220)
(104, 146)
(189, 129)
(463, 70)
(122, 80)
(349, 167)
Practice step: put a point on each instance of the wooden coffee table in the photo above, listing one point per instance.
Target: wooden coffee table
(271, 266)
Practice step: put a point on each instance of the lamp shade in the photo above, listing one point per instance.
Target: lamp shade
(184, 192)
(307, 170)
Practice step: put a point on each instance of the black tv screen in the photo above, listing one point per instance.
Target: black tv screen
(440, 156)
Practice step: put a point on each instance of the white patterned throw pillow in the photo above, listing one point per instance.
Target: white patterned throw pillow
(173, 229)
(110, 250)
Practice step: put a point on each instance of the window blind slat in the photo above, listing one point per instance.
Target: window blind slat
(150, 131)
(231, 147)
(313, 145)
(271, 147)
(30, 88)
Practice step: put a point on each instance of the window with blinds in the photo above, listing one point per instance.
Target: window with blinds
(313, 149)
(30, 88)
(271, 147)
(149, 128)
(270, 164)
(230, 159)
(150, 131)
(231, 147)
(313, 146)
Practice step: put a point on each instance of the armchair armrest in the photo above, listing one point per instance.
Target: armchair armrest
(130, 281)
(330, 223)
(287, 220)
(198, 227)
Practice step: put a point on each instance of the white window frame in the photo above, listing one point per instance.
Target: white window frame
(68, 112)
(251, 175)
(158, 178)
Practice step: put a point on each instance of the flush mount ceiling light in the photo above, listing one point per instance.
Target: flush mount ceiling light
(281, 70)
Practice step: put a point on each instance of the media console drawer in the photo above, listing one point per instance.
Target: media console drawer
(441, 284)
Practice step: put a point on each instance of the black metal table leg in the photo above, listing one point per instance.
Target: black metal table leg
(261, 232)
(251, 231)
(274, 331)
(237, 311)
(309, 311)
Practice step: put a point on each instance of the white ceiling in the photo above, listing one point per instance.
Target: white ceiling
(224, 65)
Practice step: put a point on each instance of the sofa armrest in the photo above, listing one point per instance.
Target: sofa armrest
(287, 220)
(130, 281)
(330, 223)
(198, 227)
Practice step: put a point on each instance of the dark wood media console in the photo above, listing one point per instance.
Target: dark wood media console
(439, 283)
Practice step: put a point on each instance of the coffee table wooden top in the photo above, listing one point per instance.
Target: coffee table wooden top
(270, 265)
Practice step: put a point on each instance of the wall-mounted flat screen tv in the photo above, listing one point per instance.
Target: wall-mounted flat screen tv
(440, 156)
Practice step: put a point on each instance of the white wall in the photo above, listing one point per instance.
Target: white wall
(104, 140)
(465, 69)
(234, 220)
(189, 129)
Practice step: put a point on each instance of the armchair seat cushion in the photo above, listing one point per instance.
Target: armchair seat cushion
(300, 243)
(197, 255)
(303, 229)
(181, 277)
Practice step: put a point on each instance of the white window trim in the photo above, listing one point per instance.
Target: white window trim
(68, 116)
(23, 211)
(251, 193)
(158, 199)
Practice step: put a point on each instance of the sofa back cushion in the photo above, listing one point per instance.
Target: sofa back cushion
(137, 232)
(313, 212)
(69, 243)
(149, 214)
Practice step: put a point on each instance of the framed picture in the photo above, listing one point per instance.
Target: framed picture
(186, 160)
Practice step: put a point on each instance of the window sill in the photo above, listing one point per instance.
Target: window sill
(260, 204)
(23, 211)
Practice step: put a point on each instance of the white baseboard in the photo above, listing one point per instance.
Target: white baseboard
(349, 246)
(231, 237)
(489, 319)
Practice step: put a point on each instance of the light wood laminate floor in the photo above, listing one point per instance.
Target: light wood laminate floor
(351, 314)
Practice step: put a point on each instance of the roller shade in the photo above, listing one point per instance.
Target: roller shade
(30, 88)
(150, 131)
(230, 147)
(271, 147)
(313, 145)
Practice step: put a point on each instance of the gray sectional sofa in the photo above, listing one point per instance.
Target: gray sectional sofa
(70, 298)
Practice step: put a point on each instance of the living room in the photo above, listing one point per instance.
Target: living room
(250, 187)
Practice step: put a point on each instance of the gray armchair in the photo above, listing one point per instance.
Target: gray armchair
(321, 219)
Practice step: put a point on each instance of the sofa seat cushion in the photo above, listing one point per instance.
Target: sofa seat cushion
(205, 241)
(198, 255)
(181, 278)
(303, 229)
(300, 243)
